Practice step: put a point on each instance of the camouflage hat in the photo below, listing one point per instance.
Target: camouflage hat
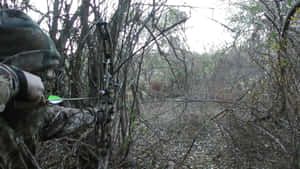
(24, 44)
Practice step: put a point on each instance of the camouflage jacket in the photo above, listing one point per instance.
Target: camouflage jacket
(13, 124)
(9, 85)
(25, 45)
(39, 124)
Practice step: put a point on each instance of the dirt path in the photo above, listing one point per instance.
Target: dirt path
(173, 135)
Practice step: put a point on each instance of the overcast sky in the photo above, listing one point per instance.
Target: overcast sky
(203, 34)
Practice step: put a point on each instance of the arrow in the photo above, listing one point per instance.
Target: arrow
(56, 99)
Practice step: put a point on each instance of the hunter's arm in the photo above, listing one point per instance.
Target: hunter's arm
(12, 84)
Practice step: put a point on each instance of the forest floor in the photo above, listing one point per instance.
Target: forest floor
(167, 135)
(177, 135)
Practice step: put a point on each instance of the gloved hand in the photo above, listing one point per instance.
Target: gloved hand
(35, 88)
(34, 92)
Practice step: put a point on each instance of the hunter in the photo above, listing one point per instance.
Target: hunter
(25, 51)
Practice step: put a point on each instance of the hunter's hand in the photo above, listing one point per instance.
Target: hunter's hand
(35, 88)
(35, 92)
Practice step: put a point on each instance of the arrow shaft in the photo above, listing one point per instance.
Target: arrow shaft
(79, 98)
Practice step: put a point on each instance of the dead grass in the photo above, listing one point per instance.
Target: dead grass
(176, 135)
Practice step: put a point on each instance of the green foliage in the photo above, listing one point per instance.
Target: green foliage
(255, 9)
(172, 16)
(267, 109)
(289, 2)
(126, 143)
(275, 46)
(208, 65)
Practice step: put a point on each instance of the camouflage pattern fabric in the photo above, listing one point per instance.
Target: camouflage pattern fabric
(45, 122)
(8, 85)
(10, 156)
(23, 43)
(61, 121)
(17, 127)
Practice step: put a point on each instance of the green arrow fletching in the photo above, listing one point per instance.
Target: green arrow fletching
(55, 99)
(52, 97)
